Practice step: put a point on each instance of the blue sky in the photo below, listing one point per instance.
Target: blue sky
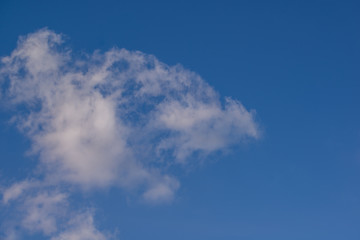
(144, 148)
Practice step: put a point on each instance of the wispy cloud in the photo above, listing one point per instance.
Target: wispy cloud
(114, 118)
(81, 227)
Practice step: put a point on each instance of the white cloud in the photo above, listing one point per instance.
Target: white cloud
(45, 209)
(81, 228)
(15, 190)
(161, 191)
(111, 118)
(42, 211)
(199, 126)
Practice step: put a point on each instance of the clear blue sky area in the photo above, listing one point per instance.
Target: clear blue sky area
(296, 63)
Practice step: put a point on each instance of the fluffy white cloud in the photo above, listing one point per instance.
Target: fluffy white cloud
(110, 118)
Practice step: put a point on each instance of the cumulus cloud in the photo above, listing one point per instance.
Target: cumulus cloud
(113, 118)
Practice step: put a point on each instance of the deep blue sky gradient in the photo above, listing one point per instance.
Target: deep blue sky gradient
(295, 62)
